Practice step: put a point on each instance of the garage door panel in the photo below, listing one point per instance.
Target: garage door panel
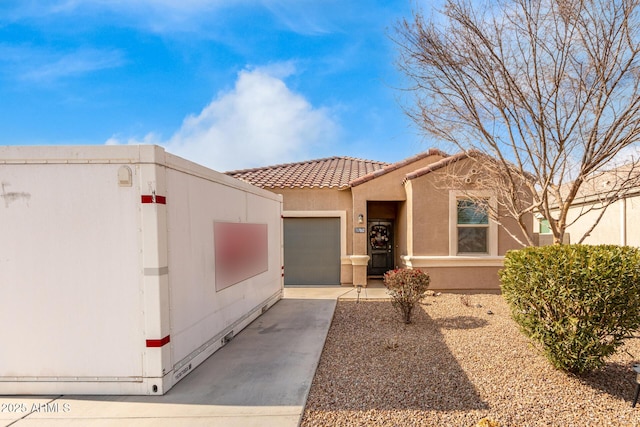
(311, 251)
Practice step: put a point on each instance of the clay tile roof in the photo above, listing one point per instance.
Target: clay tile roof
(440, 164)
(394, 166)
(471, 154)
(331, 172)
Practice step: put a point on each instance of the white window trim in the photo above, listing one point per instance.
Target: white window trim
(412, 261)
(492, 238)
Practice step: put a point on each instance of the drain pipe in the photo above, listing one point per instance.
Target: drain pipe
(623, 222)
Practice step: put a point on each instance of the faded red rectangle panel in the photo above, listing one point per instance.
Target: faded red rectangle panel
(241, 252)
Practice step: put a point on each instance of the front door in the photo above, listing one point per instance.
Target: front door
(380, 247)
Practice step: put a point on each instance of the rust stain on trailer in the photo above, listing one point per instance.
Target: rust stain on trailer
(12, 196)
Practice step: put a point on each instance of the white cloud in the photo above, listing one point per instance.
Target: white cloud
(74, 64)
(158, 16)
(149, 139)
(259, 122)
(32, 64)
(305, 17)
(39, 8)
(190, 16)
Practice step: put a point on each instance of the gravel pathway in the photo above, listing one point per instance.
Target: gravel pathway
(453, 366)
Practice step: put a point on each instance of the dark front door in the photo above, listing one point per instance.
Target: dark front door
(380, 247)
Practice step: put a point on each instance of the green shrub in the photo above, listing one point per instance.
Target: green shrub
(578, 302)
(406, 287)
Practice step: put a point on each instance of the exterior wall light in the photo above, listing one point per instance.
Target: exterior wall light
(360, 219)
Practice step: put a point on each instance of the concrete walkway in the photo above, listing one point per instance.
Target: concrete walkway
(261, 378)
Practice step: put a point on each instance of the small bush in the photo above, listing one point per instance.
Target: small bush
(406, 287)
(578, 302)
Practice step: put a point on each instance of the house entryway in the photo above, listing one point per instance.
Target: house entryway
(380, 247)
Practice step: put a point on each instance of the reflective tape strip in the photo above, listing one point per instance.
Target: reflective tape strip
(158, 343)
(161, 200)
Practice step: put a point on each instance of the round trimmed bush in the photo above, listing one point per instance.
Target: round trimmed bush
(578, 302)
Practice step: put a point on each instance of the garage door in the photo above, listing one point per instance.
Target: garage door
(312, 251)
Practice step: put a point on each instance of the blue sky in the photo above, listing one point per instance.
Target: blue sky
(227, 83)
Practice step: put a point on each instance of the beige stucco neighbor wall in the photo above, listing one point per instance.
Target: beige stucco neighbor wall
(632, 224)
(618, 226)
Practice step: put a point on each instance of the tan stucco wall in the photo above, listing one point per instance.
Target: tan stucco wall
(430, 217)
(311, 199)
(387, 187)
(401, 235)
(469, 278)
(428, 198)
(506, 242)
(346, 274)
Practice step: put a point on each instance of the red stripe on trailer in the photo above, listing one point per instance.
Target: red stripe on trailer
(158, 343)
(162, 200)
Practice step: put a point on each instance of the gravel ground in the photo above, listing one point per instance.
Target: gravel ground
(453, 366)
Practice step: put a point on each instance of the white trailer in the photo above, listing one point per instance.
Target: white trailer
(122, 268)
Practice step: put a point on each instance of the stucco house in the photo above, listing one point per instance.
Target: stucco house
(348, 220)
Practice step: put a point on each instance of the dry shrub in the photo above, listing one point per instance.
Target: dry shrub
(407, 287)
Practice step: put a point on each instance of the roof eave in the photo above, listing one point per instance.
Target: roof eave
(395, 166)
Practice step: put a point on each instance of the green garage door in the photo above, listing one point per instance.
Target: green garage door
(312, 251)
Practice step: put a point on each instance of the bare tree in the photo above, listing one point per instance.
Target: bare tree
(547, 89)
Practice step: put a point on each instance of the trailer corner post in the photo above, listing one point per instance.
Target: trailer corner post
(157, 362)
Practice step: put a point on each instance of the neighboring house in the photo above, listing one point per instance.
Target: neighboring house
(619, 223)
(348, 220)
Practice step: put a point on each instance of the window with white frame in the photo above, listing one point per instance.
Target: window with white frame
(471, 230)
(472, 226)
